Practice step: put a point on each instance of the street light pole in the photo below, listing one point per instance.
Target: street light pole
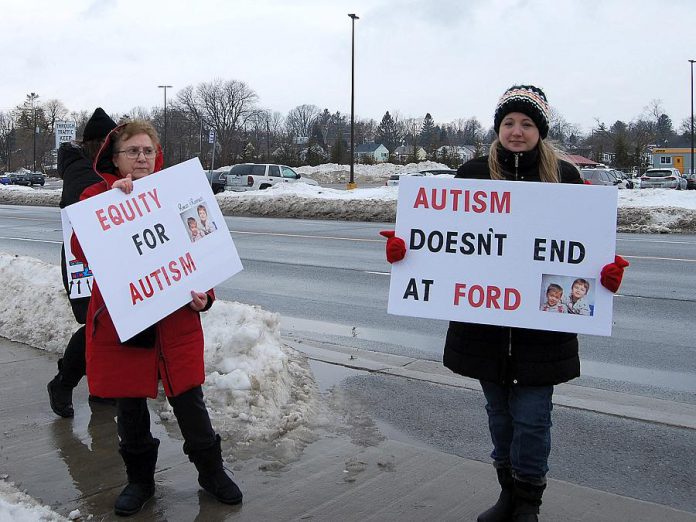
(165, 87)
(33, 97)
(351, 182)
(692, 169)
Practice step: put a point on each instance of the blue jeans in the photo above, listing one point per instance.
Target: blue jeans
(519, 419)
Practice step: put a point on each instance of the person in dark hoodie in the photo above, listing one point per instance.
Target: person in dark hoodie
(170, 351)
(75, 169)
(517, 367)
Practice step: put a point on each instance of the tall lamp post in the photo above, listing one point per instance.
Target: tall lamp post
(165, 87)
(692, 169)
(33, 97)
(351, 182)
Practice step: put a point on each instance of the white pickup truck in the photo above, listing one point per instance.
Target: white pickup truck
(260, 176)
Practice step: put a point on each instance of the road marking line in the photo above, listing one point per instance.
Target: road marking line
(304, 236)
(32, 240)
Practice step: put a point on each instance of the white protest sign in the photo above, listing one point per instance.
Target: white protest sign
(79, 276)
(505, 253)
(65, 131)
(150, 248)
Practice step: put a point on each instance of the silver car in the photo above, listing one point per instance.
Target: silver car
(602, 177)
(669, 178)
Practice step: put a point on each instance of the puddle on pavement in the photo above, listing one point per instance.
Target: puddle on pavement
(329, 375)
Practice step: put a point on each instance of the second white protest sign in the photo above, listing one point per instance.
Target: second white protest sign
(505, 253)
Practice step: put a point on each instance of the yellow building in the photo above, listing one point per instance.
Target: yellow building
(678, 158)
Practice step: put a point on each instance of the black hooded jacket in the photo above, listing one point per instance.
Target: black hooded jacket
(502, 354)
(75, 168)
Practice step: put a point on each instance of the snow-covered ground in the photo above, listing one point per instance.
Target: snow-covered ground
(649, 210)
(16, 506)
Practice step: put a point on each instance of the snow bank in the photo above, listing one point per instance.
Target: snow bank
(16, 506)
(257, 389)
(649, 210)
(335, 173)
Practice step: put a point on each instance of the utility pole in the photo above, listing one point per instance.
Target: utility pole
(351, 182)
(165, 87)
(692, 169)
(32, 97)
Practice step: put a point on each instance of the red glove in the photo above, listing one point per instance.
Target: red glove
(396, 248)
(613, 273)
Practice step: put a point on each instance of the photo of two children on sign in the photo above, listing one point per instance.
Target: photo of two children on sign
(198, 227)
(567, 295)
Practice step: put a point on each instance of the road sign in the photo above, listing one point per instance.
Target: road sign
(64, 131)
(211, 136)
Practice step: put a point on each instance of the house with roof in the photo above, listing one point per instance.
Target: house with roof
(463, 153)
(581, 161)
(678, 158)
(375, 152)
(404, 153)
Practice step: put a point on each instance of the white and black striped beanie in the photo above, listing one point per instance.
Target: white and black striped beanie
(528, 100)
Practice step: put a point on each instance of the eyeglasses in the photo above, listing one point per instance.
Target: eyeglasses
(134, 152)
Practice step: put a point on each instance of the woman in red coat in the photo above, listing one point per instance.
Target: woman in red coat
(170, 350)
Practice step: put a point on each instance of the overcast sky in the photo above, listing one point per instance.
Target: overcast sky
(595, 59)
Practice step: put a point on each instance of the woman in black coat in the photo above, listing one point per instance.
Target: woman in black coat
(517, 367)
(76, 170)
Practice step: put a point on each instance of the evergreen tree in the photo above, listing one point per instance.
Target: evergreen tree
(339, 152)
(428, 134)
(388, 133)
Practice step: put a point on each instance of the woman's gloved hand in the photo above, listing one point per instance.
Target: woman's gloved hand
(612, 274)
(395, 248)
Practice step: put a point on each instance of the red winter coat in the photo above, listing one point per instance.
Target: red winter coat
(174, 354)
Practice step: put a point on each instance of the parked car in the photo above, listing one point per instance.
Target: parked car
(260, 176)
(602, 177)
(625, 178)
(691, 181)
(393, 180)
(217, 179)
(19, 178)
(4, 179)
(665, 177)
(35, 178)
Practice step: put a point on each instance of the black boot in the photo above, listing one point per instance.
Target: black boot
(140, 468)
(211, 473)
(527, 501)
(60, 394)
(502, 509)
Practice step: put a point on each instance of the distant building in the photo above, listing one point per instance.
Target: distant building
(461, 152)
(581, 161)
(404, 153)
(372, 151)
(678, 158)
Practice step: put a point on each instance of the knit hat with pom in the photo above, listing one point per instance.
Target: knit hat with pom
(528, 100)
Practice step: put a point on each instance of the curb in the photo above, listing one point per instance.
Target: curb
(618, 404)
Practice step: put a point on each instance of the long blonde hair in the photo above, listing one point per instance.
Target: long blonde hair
(549, 162)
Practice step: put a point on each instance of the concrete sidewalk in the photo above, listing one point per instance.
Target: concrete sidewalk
(73, 464)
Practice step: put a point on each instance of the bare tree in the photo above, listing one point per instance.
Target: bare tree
(139, 113)
(224, 106)
(300, 120)
(54, 111)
